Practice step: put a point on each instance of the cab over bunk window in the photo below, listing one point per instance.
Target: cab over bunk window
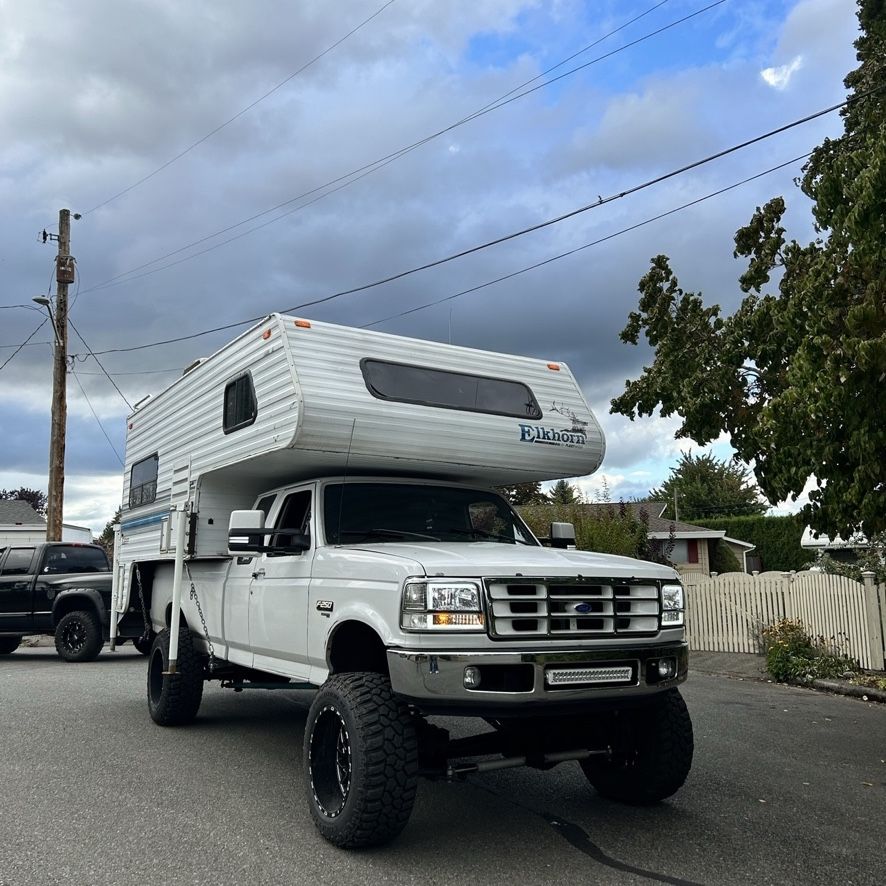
(143, 481)
(404, 383)
(240, 404)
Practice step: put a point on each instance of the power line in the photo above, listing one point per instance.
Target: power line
(597, 242)
(355, 175)
(91, 354)
(241, 112)
(25, 342)
(95, 416)
(27, 307)
(601, 201)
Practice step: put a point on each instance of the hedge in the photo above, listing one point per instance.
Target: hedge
(777, 539)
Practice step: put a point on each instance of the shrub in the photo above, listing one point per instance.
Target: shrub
(723, 558)
(793, 656)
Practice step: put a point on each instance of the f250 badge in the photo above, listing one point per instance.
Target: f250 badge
(325, 606)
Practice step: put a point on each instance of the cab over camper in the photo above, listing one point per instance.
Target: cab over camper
(313, 506)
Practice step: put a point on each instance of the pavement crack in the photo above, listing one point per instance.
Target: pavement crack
(578, 838)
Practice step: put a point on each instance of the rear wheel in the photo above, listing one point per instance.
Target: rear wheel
(174, 699)
(78, 636)
(361, 761)
(9, 644)
(651, 755)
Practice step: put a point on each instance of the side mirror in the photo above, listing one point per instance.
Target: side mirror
(563, 536)
(247, 533)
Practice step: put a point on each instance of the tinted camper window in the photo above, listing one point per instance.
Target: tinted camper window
(240, 405)
(143, 482)
(448, 390)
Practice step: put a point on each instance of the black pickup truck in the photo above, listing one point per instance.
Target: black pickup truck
(60, 589)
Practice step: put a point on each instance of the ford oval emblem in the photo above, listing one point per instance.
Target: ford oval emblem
(582, 607)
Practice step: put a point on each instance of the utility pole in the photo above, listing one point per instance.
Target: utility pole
(64, 274)
(676, 512)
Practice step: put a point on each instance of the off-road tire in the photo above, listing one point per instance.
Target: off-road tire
(360, 761)
(9, 644)
(174, 699)
(652, 750)
(144, 645)
(78, 636)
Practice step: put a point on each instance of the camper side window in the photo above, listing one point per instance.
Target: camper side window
(240, 405)
(448, 390)
(143, 481)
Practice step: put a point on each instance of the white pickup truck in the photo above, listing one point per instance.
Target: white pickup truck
(399, 594)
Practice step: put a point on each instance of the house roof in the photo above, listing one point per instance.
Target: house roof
(659, 527)
(17, 512)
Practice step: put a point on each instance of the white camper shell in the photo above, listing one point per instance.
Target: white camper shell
(291, 399)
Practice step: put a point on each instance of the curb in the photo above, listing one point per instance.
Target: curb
(863, 692)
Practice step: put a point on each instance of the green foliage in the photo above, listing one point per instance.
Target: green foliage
(523, 493)
(776, 539)
(795, 378)
(563, 492)
(708, 487)
(34, 497)
(792, 656)
(722, 558)
(612, 530)
(106, 539)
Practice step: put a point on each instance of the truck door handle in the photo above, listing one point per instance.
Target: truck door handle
(259, 573)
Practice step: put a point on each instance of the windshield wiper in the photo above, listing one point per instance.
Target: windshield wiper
(495, 536)
(388, 533)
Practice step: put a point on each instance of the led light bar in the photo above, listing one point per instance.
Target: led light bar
(576, 676)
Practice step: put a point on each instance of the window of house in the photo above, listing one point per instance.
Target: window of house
(143, 481)
(692, 550)
(448, 390)
(241, 407)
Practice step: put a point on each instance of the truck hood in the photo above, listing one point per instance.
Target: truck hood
(477, 559)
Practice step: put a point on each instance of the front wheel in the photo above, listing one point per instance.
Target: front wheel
(174, 699)
(9, 644)
(78, 636)
(360, 760)
(651, 752)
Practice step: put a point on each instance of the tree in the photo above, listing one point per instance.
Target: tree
(708, 487)
(563, 492)
(523, 493)
(106, 539)
(795, 378)
(34, 497)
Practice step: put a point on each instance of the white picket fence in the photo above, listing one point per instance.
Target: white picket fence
(726, 613)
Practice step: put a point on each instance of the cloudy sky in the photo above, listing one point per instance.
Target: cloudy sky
(97, 96)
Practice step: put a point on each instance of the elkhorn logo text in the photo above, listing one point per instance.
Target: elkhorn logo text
(551, 436)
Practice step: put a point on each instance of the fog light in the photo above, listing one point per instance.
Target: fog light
(472, 677)
(667, 668)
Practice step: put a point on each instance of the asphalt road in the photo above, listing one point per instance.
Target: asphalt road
(788, 786)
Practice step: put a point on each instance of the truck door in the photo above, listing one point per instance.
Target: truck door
(278, 602)
(16, 583)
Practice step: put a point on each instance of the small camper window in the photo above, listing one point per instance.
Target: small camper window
(448, 390)
(240, 405)
(143, 481)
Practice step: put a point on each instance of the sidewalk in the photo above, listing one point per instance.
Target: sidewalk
(753, 667)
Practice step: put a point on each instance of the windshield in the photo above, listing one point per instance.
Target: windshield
(354, 513)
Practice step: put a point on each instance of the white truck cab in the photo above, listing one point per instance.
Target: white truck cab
(312, 506)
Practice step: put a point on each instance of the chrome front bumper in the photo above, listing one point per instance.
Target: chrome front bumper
(544, 679)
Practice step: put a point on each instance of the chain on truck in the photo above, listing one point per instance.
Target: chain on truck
(313, 506)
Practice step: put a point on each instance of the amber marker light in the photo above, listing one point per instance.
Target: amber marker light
(266, 334)
(554, 366)
(303, 324)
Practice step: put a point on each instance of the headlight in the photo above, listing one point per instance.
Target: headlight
(438, 604)
(672, 605)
